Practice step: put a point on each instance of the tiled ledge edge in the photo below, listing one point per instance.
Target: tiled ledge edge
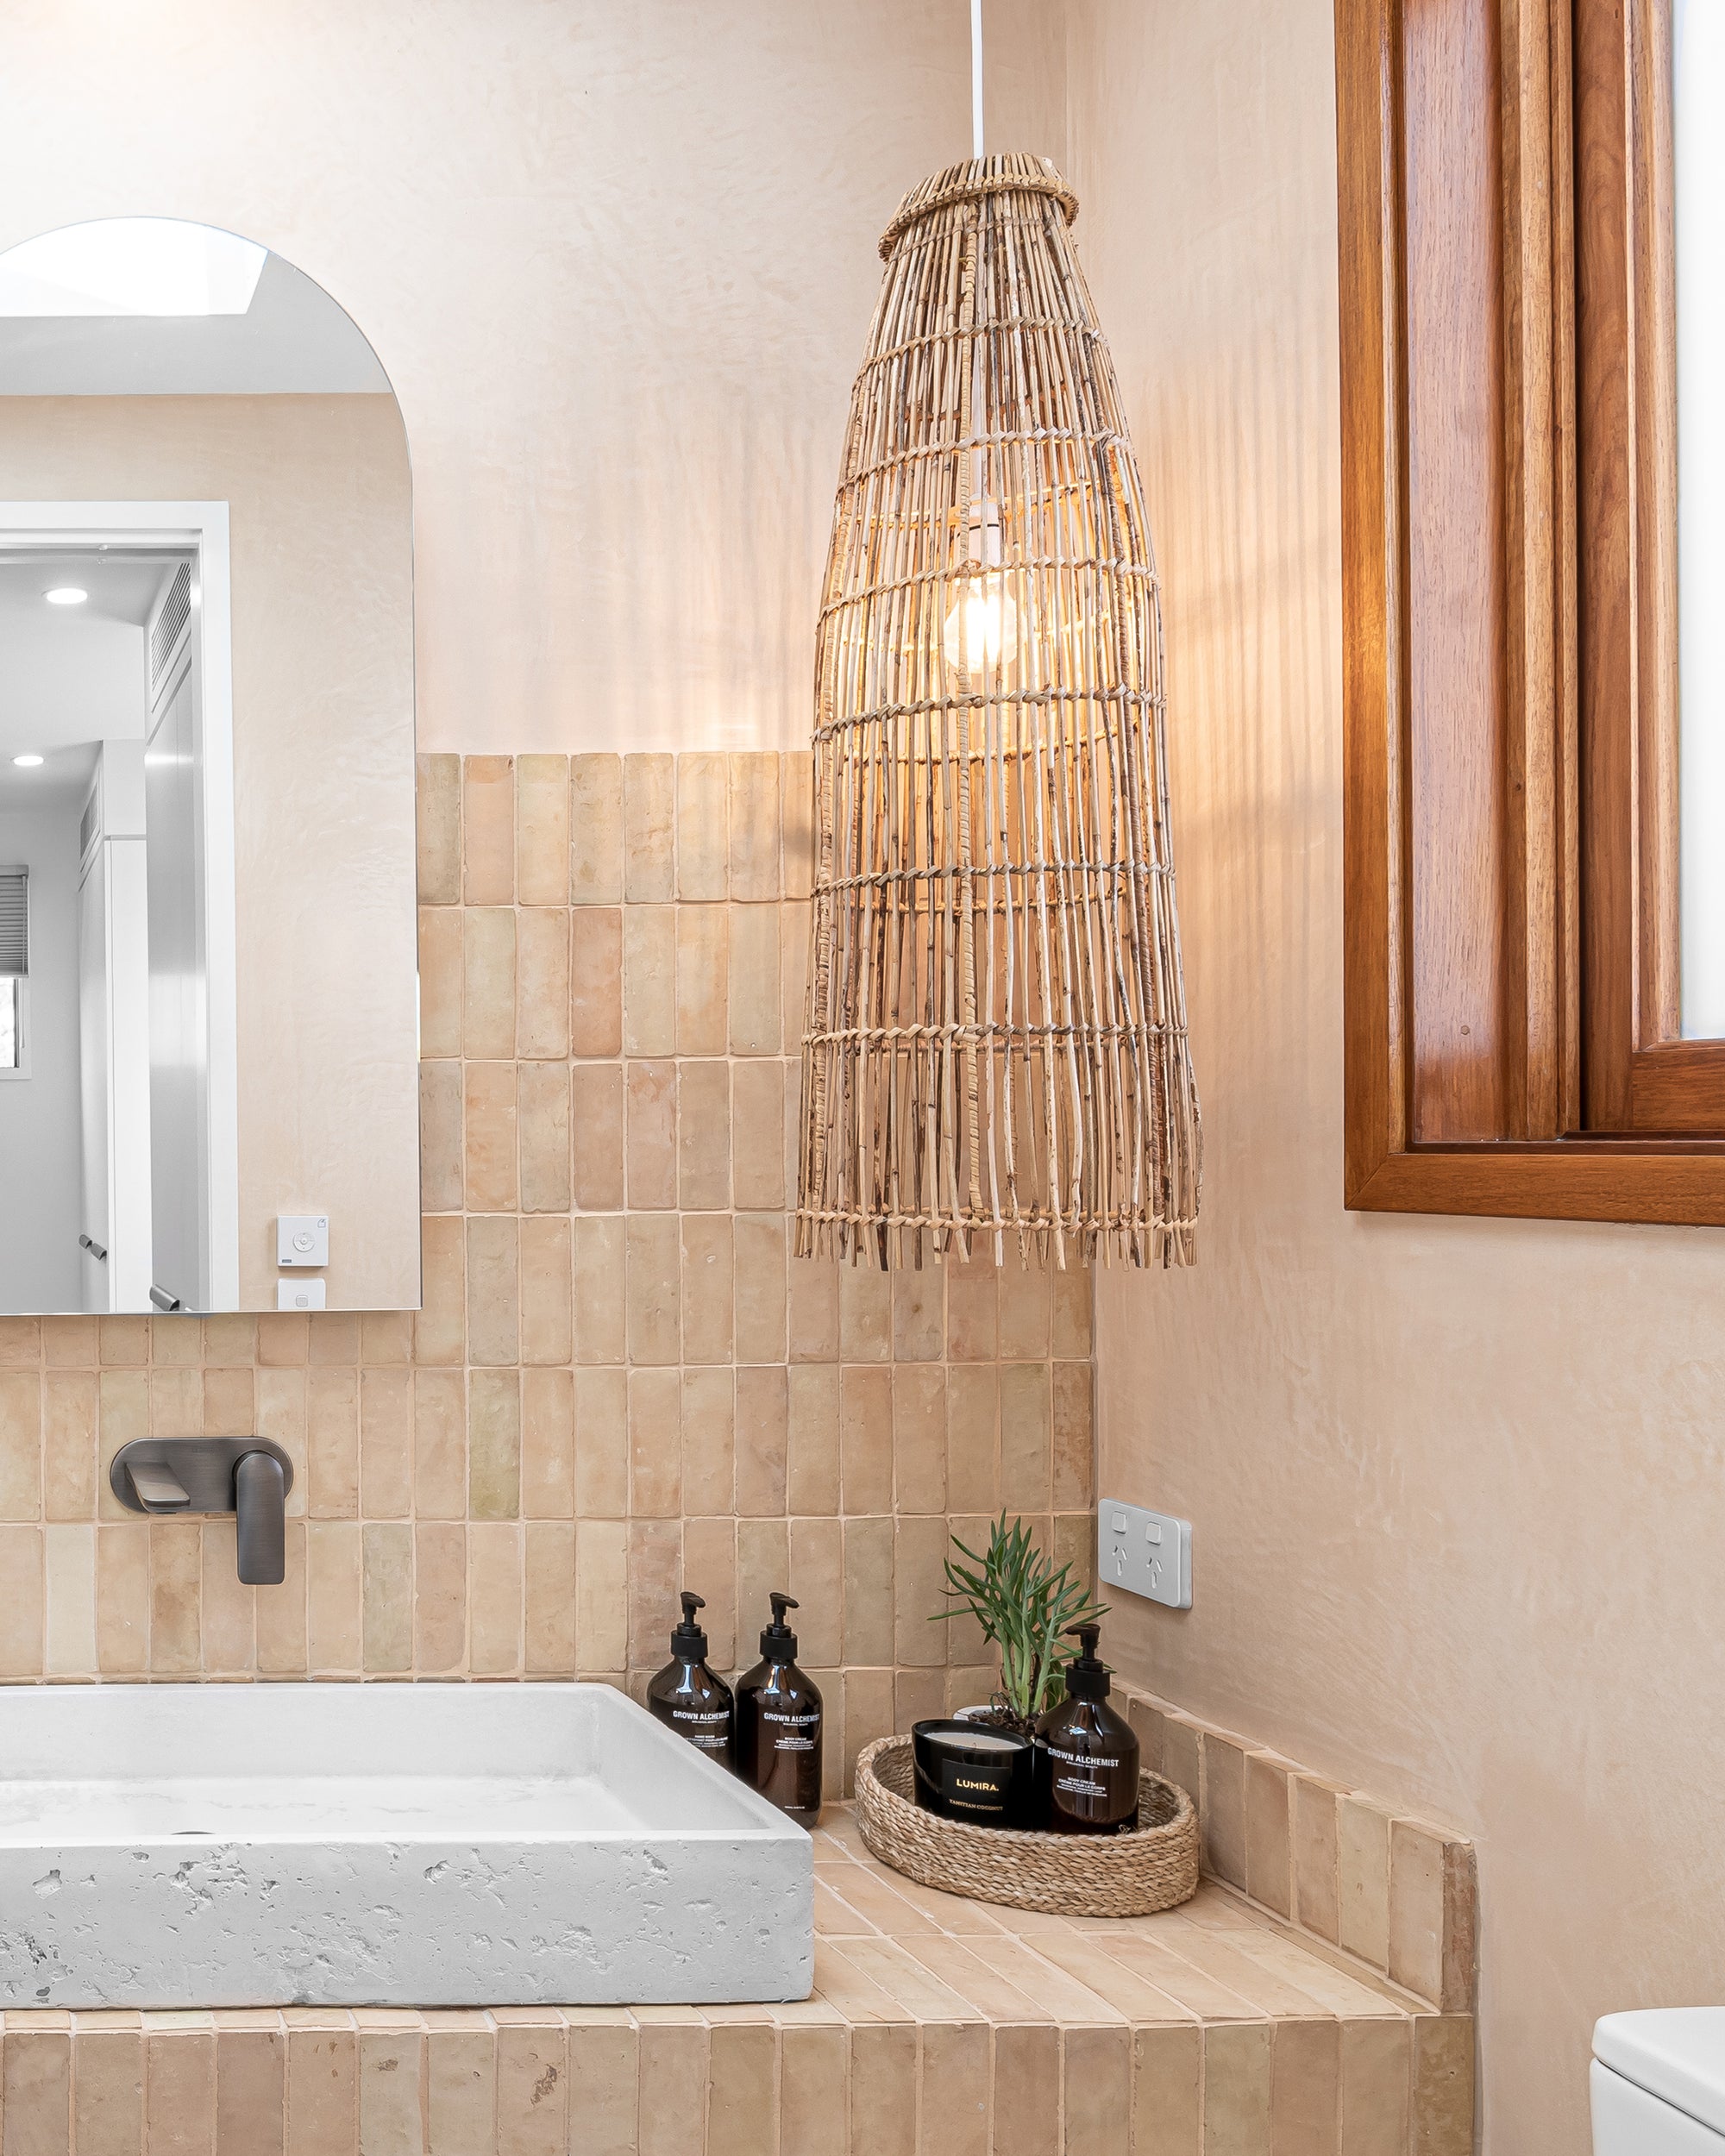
(1389, 1890)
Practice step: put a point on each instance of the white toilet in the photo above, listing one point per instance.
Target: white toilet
(1659, 2083)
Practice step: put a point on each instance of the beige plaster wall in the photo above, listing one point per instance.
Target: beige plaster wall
(618, 261)
(1455, 1485)
(321, 559)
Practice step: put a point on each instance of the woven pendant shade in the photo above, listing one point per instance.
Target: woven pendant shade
(995, 1051)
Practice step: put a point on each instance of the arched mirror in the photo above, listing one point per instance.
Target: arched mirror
(207, 995)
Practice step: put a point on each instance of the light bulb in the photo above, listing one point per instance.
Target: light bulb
(26, 763)
(66, 595)
(983, 624)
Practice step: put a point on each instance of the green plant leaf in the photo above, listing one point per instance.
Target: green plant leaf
(1025, 1608)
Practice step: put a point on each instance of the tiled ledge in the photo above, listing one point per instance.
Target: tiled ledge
(1394, 1892)
(938, 2027)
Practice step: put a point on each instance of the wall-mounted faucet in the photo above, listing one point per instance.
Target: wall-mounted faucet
(249, 1477)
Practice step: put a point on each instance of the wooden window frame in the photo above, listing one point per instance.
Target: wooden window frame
(1508, 567)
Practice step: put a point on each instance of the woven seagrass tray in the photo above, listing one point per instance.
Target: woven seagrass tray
(1070, 1874)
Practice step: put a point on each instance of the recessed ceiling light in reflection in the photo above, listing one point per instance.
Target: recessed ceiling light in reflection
(66, 595)
(26, 763)
(130, 265)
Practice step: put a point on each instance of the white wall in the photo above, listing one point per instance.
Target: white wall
(618, 261)
(39, 1115)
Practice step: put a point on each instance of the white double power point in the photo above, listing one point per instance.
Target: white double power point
(1141, 1553)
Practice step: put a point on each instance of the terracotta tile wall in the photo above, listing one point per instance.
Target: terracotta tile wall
(620, 1380)
(1394, 1892)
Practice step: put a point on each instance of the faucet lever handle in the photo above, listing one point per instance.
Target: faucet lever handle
(259, 1489)
(158, 1488)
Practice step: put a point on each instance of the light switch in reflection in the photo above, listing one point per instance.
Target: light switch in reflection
(300, 1295)
(1141, 1553)
(302, 1238)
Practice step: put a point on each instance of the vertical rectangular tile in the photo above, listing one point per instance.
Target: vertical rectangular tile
(603, 2082)
(439, 796)
(488, 992)
(649, 829)
(488, 831)
(549, 1598)
(703, 956)
(756, 1026)
(392, 2112)
(1375, 2068)
(179, 2086)
(35, 2091)
(814, 2072)
(546, 1305)
(548, 1444)
(743, 2090)
(883, 2090)
(532, 2086)
(1269, 1869)
(649, 981)
(596, 982)
(1026, 2090)
(596, 830)
(69, 1639)
(754, 826)
(1096, 2091)
(953, 2109)
(650, 1141)
(108, 2091)
(704, 1136)
(655, 1444)
(703, 826)
(1363, 1878)
(1237, 2089)
(709, 1441)
(495, 1599)
(323, 2083)
(1416, 1908)
(1444, 2085)
(251, 2088)
(1305, 2100)
(1224, 1807)
(439, 1598)
(460, 2085)
(542, 984)
(1167, 2104)
(672, 2080)
(542, 831)
(1315, 1854)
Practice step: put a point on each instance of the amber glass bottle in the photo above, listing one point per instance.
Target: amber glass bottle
(779, 1724)
(1090, 1753)
(687, 1694)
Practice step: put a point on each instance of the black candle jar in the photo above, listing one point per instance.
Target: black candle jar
(968, 1770)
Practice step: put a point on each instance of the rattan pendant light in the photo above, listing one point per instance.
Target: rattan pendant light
(996, 1055)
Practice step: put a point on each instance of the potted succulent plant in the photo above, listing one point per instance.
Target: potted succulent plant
(982, 1766)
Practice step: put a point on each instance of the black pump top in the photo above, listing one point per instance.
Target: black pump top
(688, 1641)
(1087, 1676)
(778, 1641)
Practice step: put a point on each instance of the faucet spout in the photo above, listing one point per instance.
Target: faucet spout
(260, 1488)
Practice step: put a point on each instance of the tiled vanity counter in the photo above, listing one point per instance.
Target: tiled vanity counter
(938, 2027)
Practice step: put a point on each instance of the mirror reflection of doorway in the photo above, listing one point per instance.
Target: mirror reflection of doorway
(104, 763)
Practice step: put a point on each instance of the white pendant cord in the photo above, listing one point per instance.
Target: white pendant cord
(976, 78)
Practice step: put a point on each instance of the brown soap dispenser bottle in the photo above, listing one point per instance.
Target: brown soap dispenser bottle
(1090, 1752)
(687, 1694)
(779, 1724)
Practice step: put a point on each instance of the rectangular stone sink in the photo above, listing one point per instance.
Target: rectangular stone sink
(383, 1845)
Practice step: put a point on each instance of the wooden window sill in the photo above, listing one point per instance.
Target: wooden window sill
(1680, 1182)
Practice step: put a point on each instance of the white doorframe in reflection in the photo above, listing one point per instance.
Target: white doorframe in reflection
(200, 529)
